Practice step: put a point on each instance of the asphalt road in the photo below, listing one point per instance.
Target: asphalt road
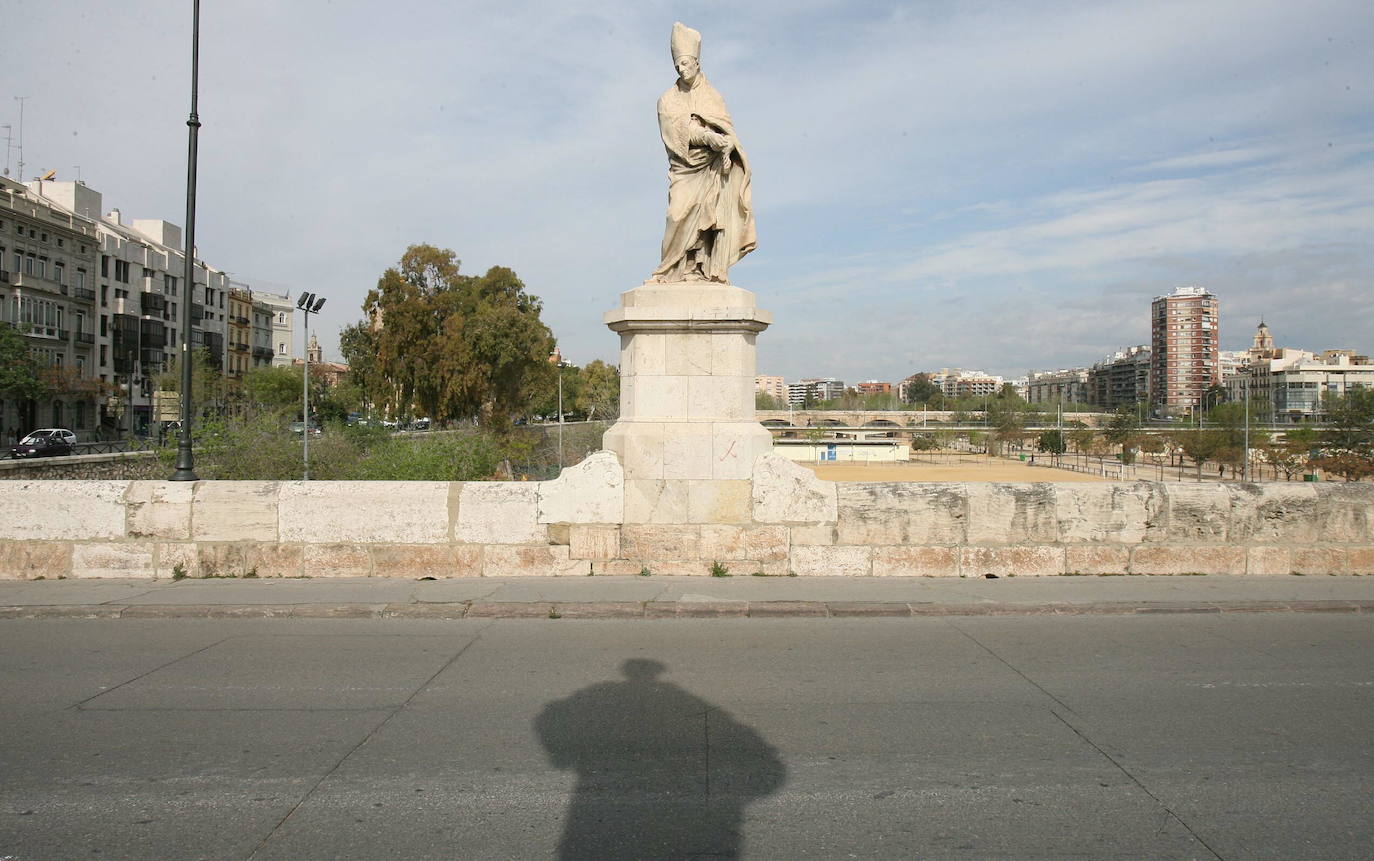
(1174, 736)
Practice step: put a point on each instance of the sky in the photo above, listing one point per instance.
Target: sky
(993, 185)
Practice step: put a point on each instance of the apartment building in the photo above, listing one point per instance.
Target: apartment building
(771, 385)
(816, 389)
(1061, 386)
(1120, 380)
(1184, 349)
(48, 264)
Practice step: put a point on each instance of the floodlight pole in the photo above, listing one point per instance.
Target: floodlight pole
(185, 465)
(305, 386)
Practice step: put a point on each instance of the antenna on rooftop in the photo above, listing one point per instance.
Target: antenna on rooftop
(21, 100)
(9, 144)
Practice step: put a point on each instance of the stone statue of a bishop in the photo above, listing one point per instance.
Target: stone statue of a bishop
(710, 211)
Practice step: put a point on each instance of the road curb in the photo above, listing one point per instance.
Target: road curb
(659, 610)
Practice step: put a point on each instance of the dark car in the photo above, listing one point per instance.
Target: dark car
(45, 442)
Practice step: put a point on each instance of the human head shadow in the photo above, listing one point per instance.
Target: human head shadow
(661, 773)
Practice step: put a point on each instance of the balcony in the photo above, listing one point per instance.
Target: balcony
(262, 353)
(153, 304)
(84, 293)
(85, 337)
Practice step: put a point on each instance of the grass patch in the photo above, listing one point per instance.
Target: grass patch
(179, 570)
(719, 570)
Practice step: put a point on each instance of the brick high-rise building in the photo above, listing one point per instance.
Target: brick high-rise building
(1183, 349)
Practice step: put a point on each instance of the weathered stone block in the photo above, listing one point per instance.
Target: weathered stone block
(762, 543)
(1096, 559)
(659, 542)
(1277, 513)
(27, 560)
(818, 561)
(1323, 559)
(234, 511)
(1194, 512)
(503, 560)
(680, 568)
(1268, 560)
(1118, 512)
(335, 560)
(592, 491)
(1010, 513)
(1011, 561)
(915, 562)
(621, 568)
(332, 512)
(124, 559)
(275, 560)
(1345, 512)
(687, 451)
(786, 493)
(499, 512)
(594, 541)
(1183, 559)
(159, 509)
(173, 557)
(413, 561)
(711, 501)
(1359, 560)
(221, 560)
(903, 513)
(62, 510)
(638, 444)
(823, 534)
(735, 446)
(655, 501)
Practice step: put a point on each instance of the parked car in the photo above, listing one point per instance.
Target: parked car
(298, 428)
(45, 442)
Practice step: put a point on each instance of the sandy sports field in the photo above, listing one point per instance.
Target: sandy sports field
(947, 468)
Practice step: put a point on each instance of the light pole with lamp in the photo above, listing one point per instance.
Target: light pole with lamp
(185, 465)
(310, 304)
(560, 365)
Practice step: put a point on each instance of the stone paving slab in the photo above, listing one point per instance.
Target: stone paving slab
(647, 610)
(678, 597)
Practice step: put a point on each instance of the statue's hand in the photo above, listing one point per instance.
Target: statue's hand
(725, 158)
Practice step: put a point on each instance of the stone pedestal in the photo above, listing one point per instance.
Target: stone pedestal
(687, 437)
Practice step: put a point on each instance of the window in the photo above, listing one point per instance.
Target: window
(104, 266)
(281, 316)
(81, 279)
(29, 264)
(281, 349)
(104, 356)
(104, 295)
(59, 272)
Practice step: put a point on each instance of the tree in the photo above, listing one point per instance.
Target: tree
(1201, 446)
(920, 390)
(276, 387)
(457, 346)
(1124, 430)
(1351, 467)
(765, 401)
(1350, 424)
(1051, 442)
(19, 374)
(209, 392)
(358, 343)
(1290, 454)
(599, 391)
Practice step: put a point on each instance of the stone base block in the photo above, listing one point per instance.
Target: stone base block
(1011, 561)
(915, 562)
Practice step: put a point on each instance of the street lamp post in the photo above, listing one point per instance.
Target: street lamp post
(310, 304)
(185, 466)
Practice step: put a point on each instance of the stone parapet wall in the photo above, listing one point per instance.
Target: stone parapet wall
(792, 524)
(124, 464)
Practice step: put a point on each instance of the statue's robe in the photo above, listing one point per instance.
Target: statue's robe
(710, 214)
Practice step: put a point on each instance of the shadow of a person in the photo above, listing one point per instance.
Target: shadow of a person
(660, 773)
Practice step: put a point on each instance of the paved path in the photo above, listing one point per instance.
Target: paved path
(1127, 736)
(658, 597)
